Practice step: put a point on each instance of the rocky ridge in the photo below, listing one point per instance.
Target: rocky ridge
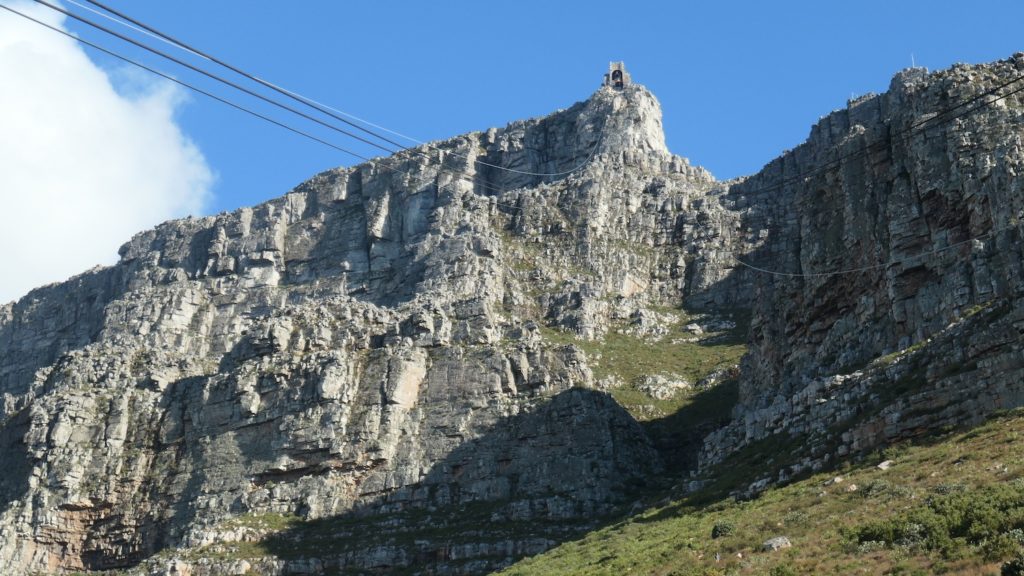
(921, 194)
(367, 344)
(375, 350)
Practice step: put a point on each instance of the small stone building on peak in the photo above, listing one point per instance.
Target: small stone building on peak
(617, 77)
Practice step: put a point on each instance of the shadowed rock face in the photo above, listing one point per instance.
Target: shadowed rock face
(923, 195)
(368, 344)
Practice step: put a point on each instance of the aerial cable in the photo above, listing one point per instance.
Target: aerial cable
(792, 179)
(166, 39)
(323, 108)
(871, 267)
(972, 100)
(128, 25)
(908, 130)
(112, 53)
(795, 178)
(211, 75)
(185, 84)
(904, 133)
(174, 41)
(238, 87)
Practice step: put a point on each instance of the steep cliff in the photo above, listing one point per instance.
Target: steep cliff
(893, 302)
(367, 344)
(425, 362)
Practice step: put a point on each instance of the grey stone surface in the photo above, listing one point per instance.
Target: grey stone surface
(663, 387)
(775, 544)
(369, 345)
(926, 336)
(366, 344)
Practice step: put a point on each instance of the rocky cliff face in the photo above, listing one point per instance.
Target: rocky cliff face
(367, 344)
(382, 351)
(918, 193)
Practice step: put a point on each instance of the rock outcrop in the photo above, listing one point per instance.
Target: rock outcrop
(371, 354)
(367, 344)
(914, 196)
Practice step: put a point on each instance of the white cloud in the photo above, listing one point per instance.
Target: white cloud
(82, 167)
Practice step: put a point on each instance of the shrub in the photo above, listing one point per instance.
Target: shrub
(870, 546)
(782, 570)
(987, 517)
(999, 548)
(1014, 567)
(950, 488)
(795, 517)
(722, 529)
(876, 488)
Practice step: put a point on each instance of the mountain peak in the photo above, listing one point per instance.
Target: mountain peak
(632, 119)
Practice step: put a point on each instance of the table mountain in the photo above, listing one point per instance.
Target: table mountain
(424, 362)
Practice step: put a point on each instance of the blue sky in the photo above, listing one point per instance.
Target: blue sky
(739, 82)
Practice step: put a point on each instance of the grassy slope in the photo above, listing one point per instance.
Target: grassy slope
(675, 424)
(630, 358)
(954, 505)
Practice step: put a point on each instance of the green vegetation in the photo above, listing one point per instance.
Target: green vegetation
(630, 358)
(894, 356)
(675, 424)
(1013, 567)
(949, 505)
(269, 521)
(990, 518)
(678, 423)
(722, 529)
(755, 461)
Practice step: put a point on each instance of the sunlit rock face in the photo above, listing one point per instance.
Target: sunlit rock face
(366, 344)
(370, 351)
